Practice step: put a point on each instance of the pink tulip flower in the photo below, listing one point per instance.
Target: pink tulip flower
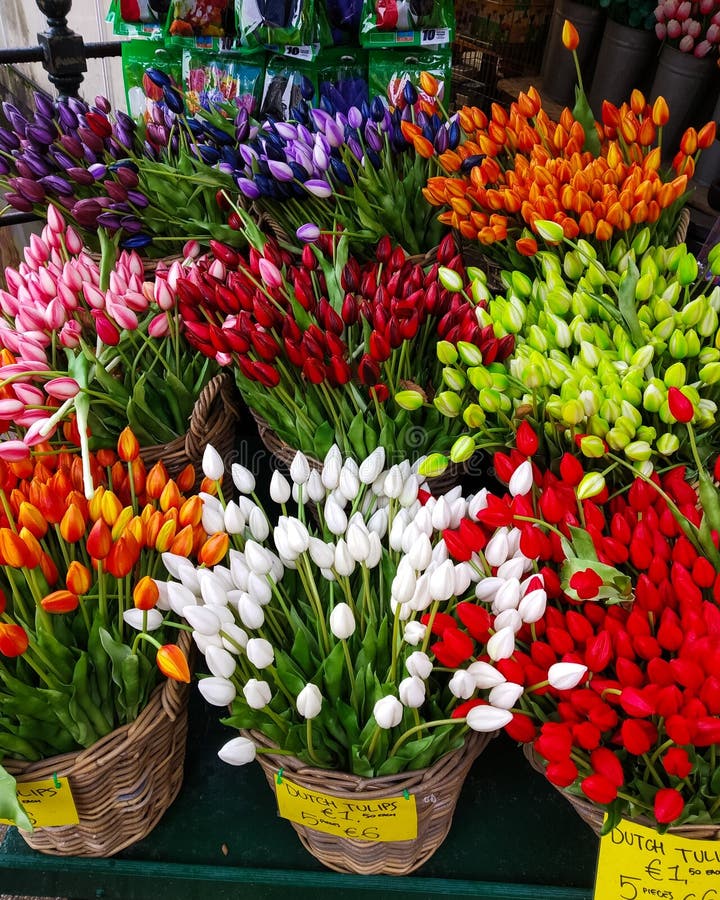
(14, 451)
(62, 388)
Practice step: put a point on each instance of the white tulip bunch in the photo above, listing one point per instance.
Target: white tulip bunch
(338, 638)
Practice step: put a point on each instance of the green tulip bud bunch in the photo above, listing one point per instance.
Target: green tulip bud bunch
(598, 345)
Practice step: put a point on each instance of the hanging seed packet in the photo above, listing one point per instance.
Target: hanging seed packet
(199, 18)
(210, 79)
(391, 70)
(138, 18)
(144, 10)
(287, 83)
(343, 77)
(344, 18)
(264, 23)
(141, 92)
(410, 23)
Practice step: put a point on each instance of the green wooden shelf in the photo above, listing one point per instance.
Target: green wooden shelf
(513, 837)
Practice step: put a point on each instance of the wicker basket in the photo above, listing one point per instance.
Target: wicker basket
(436, 792)
(213, 421)
(593, 815)
(286, 454)
(123, 784)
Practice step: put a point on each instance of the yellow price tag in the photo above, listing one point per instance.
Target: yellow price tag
(47, 803)
(637, 863)
(387, 819)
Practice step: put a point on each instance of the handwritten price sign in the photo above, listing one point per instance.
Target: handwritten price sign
(388, 819)
(47, 803)
(637, 863)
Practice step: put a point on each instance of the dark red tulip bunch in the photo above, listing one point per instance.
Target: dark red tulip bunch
(617, 685)
(322, 342)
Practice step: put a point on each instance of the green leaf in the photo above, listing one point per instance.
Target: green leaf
(584, 115)
(324, 439)
(10, 807)
(333, 668)
(289, 674)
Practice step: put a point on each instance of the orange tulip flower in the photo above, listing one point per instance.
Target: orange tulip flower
(429, 84)
(122, 557)
(78, 578)
(13, 639)
(34, 550)
(689, 142)
(165, 536)
(603, 230)
(172, 663)
(156, 480)
(186, 479)
(105, 457)
(60, 602)
(121, 522)
(526, 246)
(145, 593)
(49, 569)
(128, 447)
(637, 102)
(660, 112)
(214, 549)
(706, 135)
(13, 550)
(30, 517)
(99, 540)
(570, 36)
(182, 543)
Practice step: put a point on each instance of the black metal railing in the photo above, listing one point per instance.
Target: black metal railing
(64, 55)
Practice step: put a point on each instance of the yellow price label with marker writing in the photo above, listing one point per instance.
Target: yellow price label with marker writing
(638, 863)
(387, 819)
(47, 803)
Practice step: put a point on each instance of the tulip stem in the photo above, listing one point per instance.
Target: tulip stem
(350, 669)
(651, 768)
(374, 741)
(416, 728)
(311, 749)
(428, 627)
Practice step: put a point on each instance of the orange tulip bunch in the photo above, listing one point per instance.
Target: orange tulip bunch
(82, 619)
(519, 167)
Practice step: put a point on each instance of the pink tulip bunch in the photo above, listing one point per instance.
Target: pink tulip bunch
(92, 341)
(693, 27)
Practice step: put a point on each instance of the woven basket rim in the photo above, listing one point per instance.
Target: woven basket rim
(165, 697)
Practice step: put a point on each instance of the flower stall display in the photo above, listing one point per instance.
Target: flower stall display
(617, 686)
(518, 168)
(94, 346)
(155, 186)
(85, 636)
(336, 644)
(598, 352)
(362, 171)
(321, 342)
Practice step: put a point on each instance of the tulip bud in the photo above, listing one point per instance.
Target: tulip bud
(564, 676)
(412, 692)
(237, 752)
(300, 468)
(462, 684)
(260, 653)
(410, 400)
(212, 464)
(149, 620)
(219, 661)
(486, 676)
(592, 484)
(200, 618)
(257, 693)
(488, 718)
(521, 481)
(505, 696)
(450, 279)
(342, 621)
(217, 691)
(549, 231)
(388, 712)
(243, 478)
(501, 645)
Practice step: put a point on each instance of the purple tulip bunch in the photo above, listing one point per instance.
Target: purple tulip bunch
(154, 185)
(693, 27)
(354, 170)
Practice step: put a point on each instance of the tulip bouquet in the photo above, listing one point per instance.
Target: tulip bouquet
(691, 27)
(84, 632)
(519, 168)
(153, 186)
(321, 341)
(607, 359)
(340, 641)
(95, 342)
(362, 170)
(618, 685)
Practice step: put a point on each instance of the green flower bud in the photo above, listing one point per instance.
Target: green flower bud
(645, 316)
(687, 270)
(714, 298)
(549, 231)
(638, 450)
(590, 402)
(590, 486)
(572, 266)
(660, 257)
(623, 423)
(675, 375)
(693, 311)
(581, 330)
(479, 291)
(522, 285)
(663, 331)
(662, 310)
(469, 353)
(647, 433)
(601, 338)
(475, 273)
(642, 241)
(462, 449)
(653, 398)
(710, 374)
(643, 357)
(589, 354)
(668, 443)
(512, 319)
(708, 325)
(644, 467)
(673, 255)
(619, 249)
(586, 250)
(558, 371)
(550, 264)
(635, 377)
(446, 352)
(671, 294)
(598, 426)
(489, 400)
(454, 378)
(559, 300)
(473, 416)
(678, 345)
(644, 287)
(631, 393)
(617, 439)
(708, 355)
(479, 377)
(592, 446)
(450, 280)
(537, 339)
(500, 381)
(411, 400)
(665, 416)
(609, 410)
(534, 377)
(693, 343)
(705, 413)
(631, 412)
(433, 465)
(573, 412)
(448, 403)
(484, 318)
(596, 274)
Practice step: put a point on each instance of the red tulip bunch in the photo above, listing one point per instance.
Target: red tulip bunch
(321, 342)
(617, 685)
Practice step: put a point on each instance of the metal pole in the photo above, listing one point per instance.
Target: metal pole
(63, 50)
